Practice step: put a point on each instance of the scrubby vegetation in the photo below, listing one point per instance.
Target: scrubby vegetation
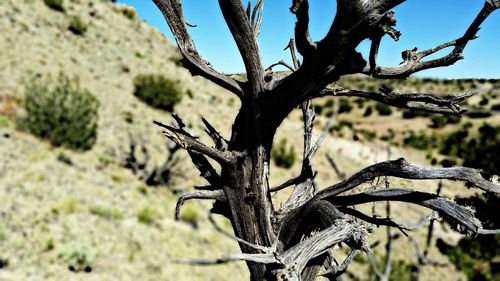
(57, 5)
(127, 11)
(77, 26)
(283, 155)
(157, 91)
(479, 151)
(410, 114)
(344, 106)
(478, 258)
(76, 257)
(383, 109)
(61, 111)
(190, 214)
(440, 121)
(106, 212)
(146, 215)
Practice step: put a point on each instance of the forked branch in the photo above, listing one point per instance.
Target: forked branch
(245, 39)
(460, 217)
(400, 168)
(412, 59)
(188, 142)
(192, 60)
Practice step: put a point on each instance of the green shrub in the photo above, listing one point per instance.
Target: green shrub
(440, 121)
(282, 155)
(329, 103)
(49, 245)
(383, 109)
(360, 102)
(318, 109)
(411, 113)
(77, 258)
(77, 26)
(3, 236)
(368, 111)
(421, 141)
(4, 121)
(401, 270)
(157, 91)
(190, 215)
(484, 101)
(63, 113)
(367, 135)
(478, 257)
(344, 106)
(146, 215)
(106, 212)
(56, 5)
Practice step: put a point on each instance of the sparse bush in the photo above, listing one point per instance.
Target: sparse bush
(484, 101)
(495, 107)
(49, 245)
(3, 236)
(478, 258)
(106, 212)
(318, 109)
(383, 109)
(282, 155)
(190, 215)
(157, 91)
(342, 123)
(368, 111)
(146, 215)
(127, 11)
(344, 106)
(329, 103)
(440, 121)
(77, 26)
(411, 113)
(360, 102)
(4, 121)
(57, 5)
(367, 135)
(421, 141)
(77, 258)
(65, 114)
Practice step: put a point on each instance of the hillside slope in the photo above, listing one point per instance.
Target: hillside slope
(50, 206)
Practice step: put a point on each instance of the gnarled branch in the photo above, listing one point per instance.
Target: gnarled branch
(400, 168)
(303, 40)
(418, 101)
(188, 142)
(202, 195)
(460, 217)
(412, 59)
(240, 26)
(192, 60)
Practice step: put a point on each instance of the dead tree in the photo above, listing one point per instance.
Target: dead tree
(294, 242)
(144, 167)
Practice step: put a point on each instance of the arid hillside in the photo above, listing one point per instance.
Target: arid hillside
(83, 215)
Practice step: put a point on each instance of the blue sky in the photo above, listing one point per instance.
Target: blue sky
(423, 23)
